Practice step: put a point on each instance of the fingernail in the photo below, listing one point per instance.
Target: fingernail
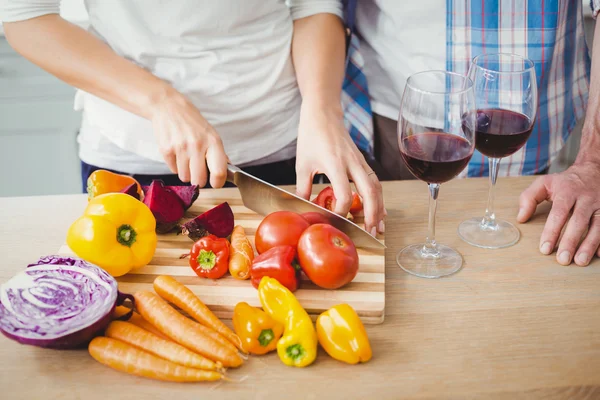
(374, 231)
(545, 248)
(521, 215)
(564, 257)
(385, 212)
(381, 227)
(583, 259)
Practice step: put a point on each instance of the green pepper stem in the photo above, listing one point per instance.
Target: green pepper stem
(126, 235)
(266, 336)
(295, 351)
(207, 260)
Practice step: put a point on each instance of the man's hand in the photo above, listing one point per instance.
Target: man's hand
(188, 142)
(576, 191)
(324, 146)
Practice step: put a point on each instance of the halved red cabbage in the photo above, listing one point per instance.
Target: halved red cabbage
(58, 302)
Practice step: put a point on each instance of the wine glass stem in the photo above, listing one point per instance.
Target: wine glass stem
(430, 248)
(489, 220)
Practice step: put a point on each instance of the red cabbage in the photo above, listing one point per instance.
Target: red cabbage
(58, 302)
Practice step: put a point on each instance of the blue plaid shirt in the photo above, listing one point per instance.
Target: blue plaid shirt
(549, 32)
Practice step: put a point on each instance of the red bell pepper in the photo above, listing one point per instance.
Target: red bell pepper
(209, 257)
(278, 262)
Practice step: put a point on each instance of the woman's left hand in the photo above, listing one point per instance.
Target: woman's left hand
(325, 147)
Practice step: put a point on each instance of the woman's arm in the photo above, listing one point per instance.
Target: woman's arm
(324, 144)
(185, 138)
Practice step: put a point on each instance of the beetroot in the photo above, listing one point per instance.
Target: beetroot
(217, 221)
(165, 205)
(187, 194)
(132, 190)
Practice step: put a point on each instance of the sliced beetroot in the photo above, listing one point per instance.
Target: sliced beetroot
(165, 205)
(132, 190)
(217, 221)
(187, 194)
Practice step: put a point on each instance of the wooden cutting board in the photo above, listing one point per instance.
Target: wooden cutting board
(366, 293)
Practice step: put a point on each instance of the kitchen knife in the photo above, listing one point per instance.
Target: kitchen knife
(264, 198)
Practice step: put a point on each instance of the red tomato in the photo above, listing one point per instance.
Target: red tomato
(278, 229)
(326, 199)
(315, 218)
(327, 256)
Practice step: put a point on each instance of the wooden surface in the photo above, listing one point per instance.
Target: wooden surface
(512, 324)
(366, 293)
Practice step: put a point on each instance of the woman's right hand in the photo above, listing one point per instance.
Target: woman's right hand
(188, 142)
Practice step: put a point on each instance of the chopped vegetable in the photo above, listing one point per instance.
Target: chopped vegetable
(126, 358)
(343, 336)
(165, 205)
(258, 331)
(184, 331)
(279, 263)
(102, 181)
(209, 257)
(116, 232)
(179, 295)
(144, 340)
(187, 193)
(217, 221)
(241, 254)
(298, 345)
(132, 190)
(137, 320)
(58, 302)
(326, 199)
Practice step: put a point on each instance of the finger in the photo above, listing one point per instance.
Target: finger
(198, 168)
(530, 198)
(371, 195)
(590, 244)
(304, 180)
(216, 159)
(171, 161)
(341, 189)
(577, 225)
(554, 224)
(183, 166)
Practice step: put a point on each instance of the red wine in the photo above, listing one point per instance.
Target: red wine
(435, 157)
(501, 133)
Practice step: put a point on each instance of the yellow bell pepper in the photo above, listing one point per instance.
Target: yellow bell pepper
(102, 181)
(257, 330)
(342, 334)
(298, 345)
(115, 232)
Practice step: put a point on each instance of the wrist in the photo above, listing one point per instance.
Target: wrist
(589, 148)
(321, 107)
(158, 97)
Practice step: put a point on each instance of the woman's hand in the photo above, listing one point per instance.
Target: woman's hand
(188, 142)
(324, 146)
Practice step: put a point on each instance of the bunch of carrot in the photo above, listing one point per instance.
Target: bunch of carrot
(161, 343)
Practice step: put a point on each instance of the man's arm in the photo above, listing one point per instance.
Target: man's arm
(324, 145)
(576, 190)
(81, 60)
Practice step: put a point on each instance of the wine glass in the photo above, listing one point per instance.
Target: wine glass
(505, 88)
(436, 132)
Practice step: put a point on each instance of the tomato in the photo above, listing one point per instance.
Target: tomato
(315, 218)
(327, 256)
(326, 199)
(278, 229)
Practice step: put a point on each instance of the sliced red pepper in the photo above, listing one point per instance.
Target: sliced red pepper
(278, 263)
(209, 257)
(326, 199)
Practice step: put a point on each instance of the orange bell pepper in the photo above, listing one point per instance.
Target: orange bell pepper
(258, 331)
(102, 181)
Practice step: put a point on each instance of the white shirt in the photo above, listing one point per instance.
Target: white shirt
(398, 39)
(231, 58)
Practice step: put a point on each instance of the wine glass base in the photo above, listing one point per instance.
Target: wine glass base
(504, 234)
(411, 260)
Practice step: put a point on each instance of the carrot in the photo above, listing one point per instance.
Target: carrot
(126, 358)
(136, 319)
(174, 292)
(241, 254)
(171, 351)
(184, 331)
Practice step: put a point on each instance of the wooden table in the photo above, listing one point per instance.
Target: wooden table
(511, 324)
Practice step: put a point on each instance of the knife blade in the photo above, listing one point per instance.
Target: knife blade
(264, 198)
